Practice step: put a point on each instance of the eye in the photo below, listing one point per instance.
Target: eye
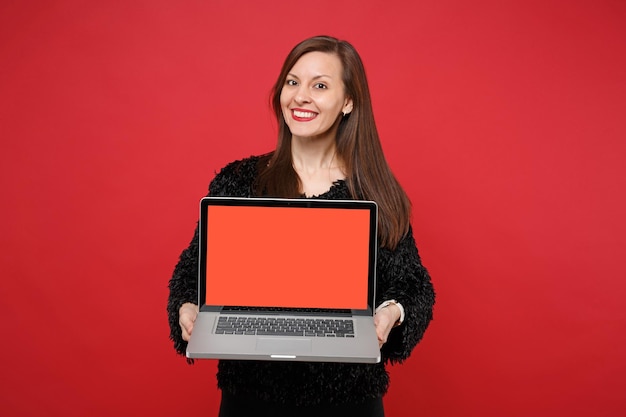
(291, 82)
(320, 85)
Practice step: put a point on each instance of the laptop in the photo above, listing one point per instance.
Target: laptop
(286, 279)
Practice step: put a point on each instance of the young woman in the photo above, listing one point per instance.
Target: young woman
(328, 147)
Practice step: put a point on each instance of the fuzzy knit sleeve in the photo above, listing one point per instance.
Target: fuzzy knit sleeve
(234, 180)
(401, 276)
(183, 288)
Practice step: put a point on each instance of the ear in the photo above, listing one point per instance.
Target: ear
(347, 106)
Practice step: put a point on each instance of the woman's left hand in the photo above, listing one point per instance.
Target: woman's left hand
(384, 321)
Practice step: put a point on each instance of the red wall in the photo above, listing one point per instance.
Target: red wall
(504, 120)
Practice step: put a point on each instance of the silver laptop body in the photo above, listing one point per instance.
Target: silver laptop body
(286, 279)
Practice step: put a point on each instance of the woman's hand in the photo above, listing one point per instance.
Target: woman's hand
(384, 321)
(187, 314)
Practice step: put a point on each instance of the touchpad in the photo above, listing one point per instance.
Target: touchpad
(283, 345)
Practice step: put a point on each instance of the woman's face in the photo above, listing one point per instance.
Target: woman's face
(313, 97)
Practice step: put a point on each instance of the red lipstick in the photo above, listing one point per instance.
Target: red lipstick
(303, 115)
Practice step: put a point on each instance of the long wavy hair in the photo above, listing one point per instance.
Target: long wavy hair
(368, 175)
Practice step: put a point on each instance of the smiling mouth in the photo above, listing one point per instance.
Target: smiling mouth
(303, 115)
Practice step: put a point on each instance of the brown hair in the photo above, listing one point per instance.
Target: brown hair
(358, 145)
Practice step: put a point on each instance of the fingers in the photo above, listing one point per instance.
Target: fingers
(382, 338)
(186, 317)
(186, 326)
(383, 326)
(381, 343)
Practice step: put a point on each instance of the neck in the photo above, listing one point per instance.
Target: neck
(310, 154)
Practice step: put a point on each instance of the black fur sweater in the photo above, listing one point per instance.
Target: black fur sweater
(400, 275)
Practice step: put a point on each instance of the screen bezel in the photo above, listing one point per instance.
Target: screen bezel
(370, 206)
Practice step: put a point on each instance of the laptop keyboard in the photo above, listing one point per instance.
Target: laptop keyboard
(274, 326)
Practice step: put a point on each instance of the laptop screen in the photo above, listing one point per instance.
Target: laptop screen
(289, 257)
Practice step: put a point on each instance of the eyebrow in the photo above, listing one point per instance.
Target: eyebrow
(314, 78)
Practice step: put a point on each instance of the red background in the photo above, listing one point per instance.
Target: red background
(504, 120)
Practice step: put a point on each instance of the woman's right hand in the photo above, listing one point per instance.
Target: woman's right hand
(187, 314)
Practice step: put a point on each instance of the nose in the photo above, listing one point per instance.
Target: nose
(302, 95)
